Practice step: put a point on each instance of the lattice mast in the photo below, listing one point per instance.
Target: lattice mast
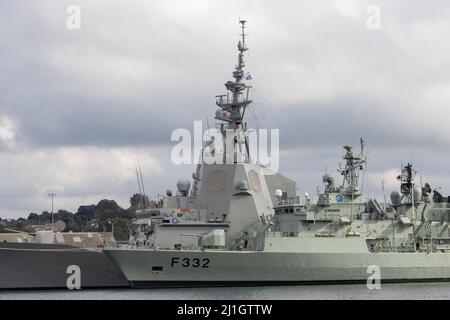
(353, 166)
(233, 104)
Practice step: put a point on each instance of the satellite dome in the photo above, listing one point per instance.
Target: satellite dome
(278, 193)
(243, 185)
(183, 186)
(395, 197)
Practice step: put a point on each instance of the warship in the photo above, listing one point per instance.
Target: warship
(49, 260)
(241, 224)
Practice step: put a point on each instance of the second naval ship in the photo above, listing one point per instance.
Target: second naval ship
(241, 224)
(57, 260)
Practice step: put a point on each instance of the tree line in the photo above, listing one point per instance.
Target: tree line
(89, 218)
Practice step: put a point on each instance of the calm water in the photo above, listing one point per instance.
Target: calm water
(388, 291)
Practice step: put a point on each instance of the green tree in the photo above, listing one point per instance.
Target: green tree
(33, 218)
(138, 200)
(45, 217)
(88, 211)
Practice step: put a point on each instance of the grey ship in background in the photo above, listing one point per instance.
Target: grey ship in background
(241, 224)
(43, 260)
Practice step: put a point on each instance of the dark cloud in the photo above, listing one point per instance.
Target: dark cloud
(74, 101)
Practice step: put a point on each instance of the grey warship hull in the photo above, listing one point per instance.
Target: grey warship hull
(146, 268)
(44, 266)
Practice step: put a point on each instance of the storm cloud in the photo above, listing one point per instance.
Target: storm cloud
(79, 108)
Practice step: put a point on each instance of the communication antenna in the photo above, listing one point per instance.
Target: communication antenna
(361, 141)
(421, 185)
(139, 186)
(242, 22)
(232, 110)
(401, 163)
(384, 193)
(143, 188)
(207, 127)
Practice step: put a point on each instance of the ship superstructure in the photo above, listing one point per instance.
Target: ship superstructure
(232, 195)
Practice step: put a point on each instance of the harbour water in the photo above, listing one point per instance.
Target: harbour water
(407, 291)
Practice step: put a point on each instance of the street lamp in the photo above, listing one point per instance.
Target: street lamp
(52, 195)
(112, 228)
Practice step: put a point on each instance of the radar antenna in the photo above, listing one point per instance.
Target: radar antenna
(232, 109)
(353, 165)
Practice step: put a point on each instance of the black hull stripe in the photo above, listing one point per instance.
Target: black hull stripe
(58, 288)
(200, 284)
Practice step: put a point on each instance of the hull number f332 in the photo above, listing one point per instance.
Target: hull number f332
(190, 262)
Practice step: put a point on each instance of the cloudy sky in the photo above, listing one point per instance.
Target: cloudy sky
(79, 108)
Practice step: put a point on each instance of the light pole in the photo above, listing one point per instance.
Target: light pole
(112, 227)
(52, 195)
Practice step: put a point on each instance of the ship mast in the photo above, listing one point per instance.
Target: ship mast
(232, 110)
(353, 165)
(407, 187)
